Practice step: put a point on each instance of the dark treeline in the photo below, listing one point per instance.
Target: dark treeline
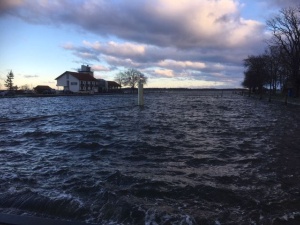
(278, 69)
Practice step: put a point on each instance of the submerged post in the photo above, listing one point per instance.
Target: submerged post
(140, 93)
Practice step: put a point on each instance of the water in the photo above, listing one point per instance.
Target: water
(185, 158)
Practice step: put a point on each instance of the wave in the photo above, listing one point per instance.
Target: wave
(185, 158)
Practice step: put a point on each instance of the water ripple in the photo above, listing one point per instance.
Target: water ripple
(184, 158)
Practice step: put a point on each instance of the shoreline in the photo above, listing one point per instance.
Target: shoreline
(56, 95)
(276, 99)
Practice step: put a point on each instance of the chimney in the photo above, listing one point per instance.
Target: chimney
(86, 69)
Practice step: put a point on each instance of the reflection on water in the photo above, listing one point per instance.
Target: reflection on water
(184, 158)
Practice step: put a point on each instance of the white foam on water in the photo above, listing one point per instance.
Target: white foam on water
(150, 217)
(187, 220)
(289, 216)
(217, 222)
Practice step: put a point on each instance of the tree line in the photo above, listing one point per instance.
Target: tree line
(278, 68)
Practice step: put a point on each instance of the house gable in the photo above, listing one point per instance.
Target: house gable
(76, 82)
(85, 82)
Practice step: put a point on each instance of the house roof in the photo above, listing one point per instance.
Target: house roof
(113, 84)
(42, 87)
(79, 76)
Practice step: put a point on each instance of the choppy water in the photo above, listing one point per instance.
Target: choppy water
(184, 158)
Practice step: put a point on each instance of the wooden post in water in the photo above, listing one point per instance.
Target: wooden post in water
(140, 93)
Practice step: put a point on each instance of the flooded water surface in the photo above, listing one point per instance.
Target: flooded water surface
(184, 158)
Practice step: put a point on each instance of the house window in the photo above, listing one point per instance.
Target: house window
(73, 83)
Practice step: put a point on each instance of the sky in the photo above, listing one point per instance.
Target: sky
(175, 43)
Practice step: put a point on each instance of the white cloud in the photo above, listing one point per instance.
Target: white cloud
(119, 62)
(164, 72)
(185, 83)
(204, 23)
(99, 68)
(114, 48)
(68, 46)
(248, 32)
(181, 64)
(86, 56)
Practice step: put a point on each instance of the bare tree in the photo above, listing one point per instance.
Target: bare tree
(274, 69)
(256, 73)
(119, 78)
(285, 28)
(131, 77)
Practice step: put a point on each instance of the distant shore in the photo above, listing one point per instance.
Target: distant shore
(240, 91)
(281, 99)
(122, 91)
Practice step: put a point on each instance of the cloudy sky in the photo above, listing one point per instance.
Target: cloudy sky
(176, 43)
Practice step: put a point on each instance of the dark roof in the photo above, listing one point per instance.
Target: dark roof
(42, 87)
(113, 84)
(79, 76)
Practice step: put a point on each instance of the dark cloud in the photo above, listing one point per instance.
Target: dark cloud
(31, 76)
(199, 39)
(144, 21)
(8, 6)
(205, 64)
(146, 54)
(87, 56)
(284, 3)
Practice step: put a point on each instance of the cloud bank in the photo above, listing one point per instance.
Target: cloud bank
(185, 39)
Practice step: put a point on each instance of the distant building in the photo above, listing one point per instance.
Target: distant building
(43, 89)
(108, 86)
(113, 86)
(82, 81)
(102, 85)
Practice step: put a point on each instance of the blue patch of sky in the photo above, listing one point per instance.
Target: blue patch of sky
(257, 10)
(36, 50)
(250, 10)
(28, 47)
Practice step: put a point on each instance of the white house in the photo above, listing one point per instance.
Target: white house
(81, 81)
